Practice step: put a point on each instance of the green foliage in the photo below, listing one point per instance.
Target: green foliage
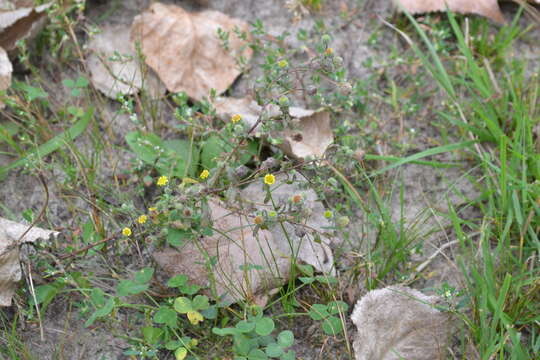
(252, 338)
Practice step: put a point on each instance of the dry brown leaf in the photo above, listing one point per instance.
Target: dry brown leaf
(184, 49)
(21, 23)
(312, 133)
(400, 323)
(248, 266)
(487, 8)
(302, 236)
(114, 67)
(10, 271)
(5, 73)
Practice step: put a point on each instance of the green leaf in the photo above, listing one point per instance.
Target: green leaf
(177, 281)
(286, 338)
(214, 146)
(144, 275)
(212, 149)
(176, 237)
(182, 159)
(210, 313)
(245, 326)
(147, 147)
(200, 302)
(224, 331)
(332, 325)
(103, 311)
(318, 312)
(335, 307)
(306, 280)
(183, 305)
(190, 289)
(167, 316)
(274, 350)
(53, 144)
(306, 269)
(264, 326)
(32, 93)
(257, 354)
(97, 296)
(289, 355)
(129, 287)
(151, 334)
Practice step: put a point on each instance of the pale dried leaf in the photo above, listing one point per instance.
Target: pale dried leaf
(114, 67)
(236, 250)
(301, 237)
(10, 272)
(5, 72)
(185, 51)
(400, 323)
(21, 23)
(310, 137)
(487, 8)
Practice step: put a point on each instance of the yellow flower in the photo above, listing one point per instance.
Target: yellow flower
(328, 214)
(282, 63)
(194, 317)
(126, 231)
(269, 179)
(204, 174)
(236, 118)
(152, 209)
(142, 219)
(329, 51)
(162, 181)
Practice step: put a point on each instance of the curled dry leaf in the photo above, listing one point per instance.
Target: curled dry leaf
(310, 137)
(310, 237)
(185, 51)
(248, 265)
(20, 23)
(10, 271)
(487, 8)
(5, 73)
(400, 323)
(114, 67)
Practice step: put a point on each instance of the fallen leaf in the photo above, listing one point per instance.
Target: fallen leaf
(5, 73)
(10, 271)
(185, 51)
(246, 265)
(21, 23)
(310, 137)
(114, 66)
(400, 323)
(487, 8)
(310, 238)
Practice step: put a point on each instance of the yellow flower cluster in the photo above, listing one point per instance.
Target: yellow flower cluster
(162, 181)
(204, 174)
